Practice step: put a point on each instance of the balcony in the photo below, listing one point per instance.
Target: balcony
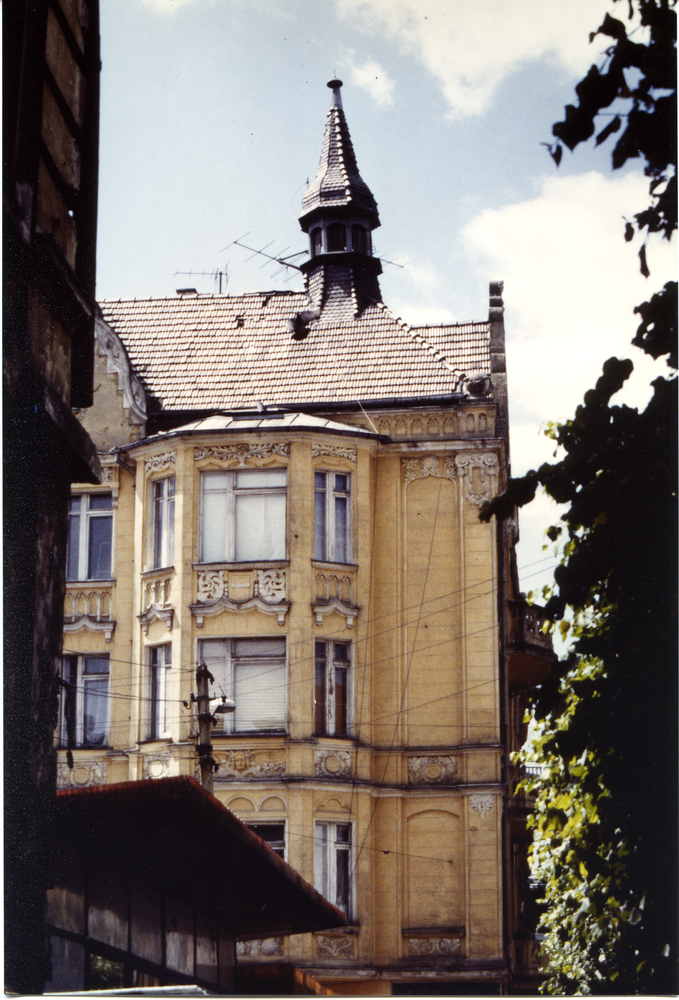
(529, 650)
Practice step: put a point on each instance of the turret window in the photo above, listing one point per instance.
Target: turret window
(359, 239)
(163, 492)
(316, 242)
(332, 516)
(337, 237)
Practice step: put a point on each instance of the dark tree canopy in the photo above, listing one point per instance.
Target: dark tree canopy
(605, 832)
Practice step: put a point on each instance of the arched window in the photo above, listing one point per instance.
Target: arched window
(359, 241)
(337, 237)
(316, 242)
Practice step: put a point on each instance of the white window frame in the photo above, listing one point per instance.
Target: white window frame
(223, 658)
(328, 864)
(162, 494)
(329, 663)
(79, 676)
(235, 487)
(327, 542)
(278, 846)
(80, 508)
(157, 696)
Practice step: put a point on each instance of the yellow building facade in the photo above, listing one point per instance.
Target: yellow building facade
(291, 496)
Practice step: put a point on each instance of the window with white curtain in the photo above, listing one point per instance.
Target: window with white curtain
(243, 515)
(332, 863)
(84, 701)
(163, 493)
(253, 673)
(158, 693)
(332, 513)
(90, 534)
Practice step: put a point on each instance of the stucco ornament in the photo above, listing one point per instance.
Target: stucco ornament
(271, 585)
(212, 584)
(241, 451)
(258, 949)
(332, 763)
(161, 461)
(481, 803)
(82, 775)
(110, 346)
(334, 450)
(430, 465)
(478, 472)
(335, 946)
(435, 947)
(437, 770)
(155, 765)
(237, 764)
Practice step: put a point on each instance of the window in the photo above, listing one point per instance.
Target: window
(359, 240)
(163, 522)
(90, 529)
(332, 861)
(84, 715)
(243, 515)
(331, 693)
(158, 692)
(252, 672)
(316, 242)
(272, 834)
(337, 237)
(331, 516)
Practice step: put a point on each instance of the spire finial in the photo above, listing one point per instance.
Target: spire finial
(335, 85)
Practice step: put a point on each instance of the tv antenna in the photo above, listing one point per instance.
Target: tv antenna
(219, 276)
(280, 259)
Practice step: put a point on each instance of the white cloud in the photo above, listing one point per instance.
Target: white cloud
(469, 48)
(167, 6)
(371, 77)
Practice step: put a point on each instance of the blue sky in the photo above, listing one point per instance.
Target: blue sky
(212, 118)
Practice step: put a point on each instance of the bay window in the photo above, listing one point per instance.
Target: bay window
(332, 491)
(331, 690)
(332, 863)
(253, 673)
(243, 515)
(84, 701)
(163, 493)
(90, 531)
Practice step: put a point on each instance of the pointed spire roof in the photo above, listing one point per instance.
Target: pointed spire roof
(338, 183)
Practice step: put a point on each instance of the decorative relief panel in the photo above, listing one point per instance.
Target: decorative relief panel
(335, 451)
(266, 593)
(237, 764)
(157, 590)
(270, 584)
(419, 468)
(481, 803)
(155, 765)
(109, 477)
(90, 609)
(110, 346)
(329, 585)
(335, 946)
(212, 584)
(438, 770)
(82, 775)
(240, 452)
(260, 949)
(478, 472)
(434, 947)
(163, 461)
(332, 763)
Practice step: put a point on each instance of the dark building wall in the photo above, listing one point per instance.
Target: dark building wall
(50, 142)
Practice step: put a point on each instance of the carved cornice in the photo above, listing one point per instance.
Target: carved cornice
(241, 451)
(323, 608)
(334, 450)
(158, 462)
(156, 612)
(202, 611)
(110, 346)
(430, 465)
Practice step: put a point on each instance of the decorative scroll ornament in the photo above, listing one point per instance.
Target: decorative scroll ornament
(212, 584)
(110, 346)
(481, 803)
(260, 949)
(240, 452)
(332, 763)
(479, 475)
(271, 585)
(430, 465)
(158, 462)
(84, 774)
(334, 450)
(335, 946)
(434, 947)
(238, 764)
(212, 595)
(439, 770)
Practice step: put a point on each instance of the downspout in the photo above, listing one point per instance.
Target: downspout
(504, 737)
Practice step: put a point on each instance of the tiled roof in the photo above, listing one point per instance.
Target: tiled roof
(223, 351)
(338, 181)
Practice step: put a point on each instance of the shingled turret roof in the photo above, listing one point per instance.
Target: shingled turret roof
(226, 351)
(338, 182)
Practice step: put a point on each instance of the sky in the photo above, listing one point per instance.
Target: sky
(212, 117)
